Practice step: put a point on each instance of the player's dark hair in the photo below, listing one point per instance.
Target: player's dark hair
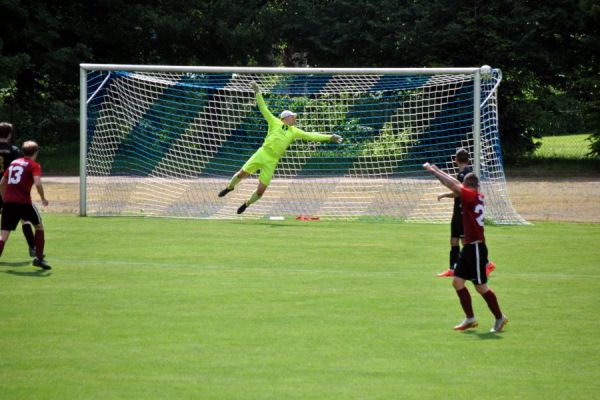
(462, 156)
(471, 180)
(6, 129)
(29, 148)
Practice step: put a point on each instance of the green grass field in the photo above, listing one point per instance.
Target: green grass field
(163, 308)
(563, 146)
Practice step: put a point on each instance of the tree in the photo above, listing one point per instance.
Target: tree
(43, 42)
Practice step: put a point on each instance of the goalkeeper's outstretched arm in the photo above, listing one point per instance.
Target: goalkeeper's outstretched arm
(447, 180)
(318, 137)
(262, 106)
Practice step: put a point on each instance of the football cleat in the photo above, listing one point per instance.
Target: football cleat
(242, 208)
(489, 268)
(32, 252)
(223, 192)
(449, 272)
(467, 324)
(42, 263)
(499, 325)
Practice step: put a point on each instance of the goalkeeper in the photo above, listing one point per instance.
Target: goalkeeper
(281, 134)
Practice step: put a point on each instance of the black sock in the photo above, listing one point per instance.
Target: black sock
(39, 243)
(454, 252)
(28, 233)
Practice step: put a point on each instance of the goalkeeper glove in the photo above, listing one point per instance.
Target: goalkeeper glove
(336, 139)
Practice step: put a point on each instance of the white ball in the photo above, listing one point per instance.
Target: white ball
(485, 71)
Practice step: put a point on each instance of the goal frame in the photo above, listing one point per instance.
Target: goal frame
(83, 98)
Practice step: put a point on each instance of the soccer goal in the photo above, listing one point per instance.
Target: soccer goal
(164, 140)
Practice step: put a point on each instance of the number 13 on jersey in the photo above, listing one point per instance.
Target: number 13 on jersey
(15, 173)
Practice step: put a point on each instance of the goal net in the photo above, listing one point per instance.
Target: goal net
(163, 141)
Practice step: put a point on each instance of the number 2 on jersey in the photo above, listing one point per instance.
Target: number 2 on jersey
(479, 210)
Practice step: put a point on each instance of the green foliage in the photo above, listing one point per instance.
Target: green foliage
(62, 159)
(390, 143)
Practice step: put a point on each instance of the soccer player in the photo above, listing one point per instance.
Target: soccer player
(461, 159)
(282, 132)
(472, 259)
(9, 153)
(15, 188)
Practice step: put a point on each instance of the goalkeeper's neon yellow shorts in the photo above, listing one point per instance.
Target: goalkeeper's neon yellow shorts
(265, 161)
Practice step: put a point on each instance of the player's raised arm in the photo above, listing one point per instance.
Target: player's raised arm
(447, 180)
(262, 106)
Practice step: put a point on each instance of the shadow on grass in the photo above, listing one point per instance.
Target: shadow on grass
(38, 273)
(30, 274)
(484, 335)
(16, 264)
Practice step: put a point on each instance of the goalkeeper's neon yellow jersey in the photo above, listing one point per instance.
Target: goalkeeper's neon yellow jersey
(280, 135)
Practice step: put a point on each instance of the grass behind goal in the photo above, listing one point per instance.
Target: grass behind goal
(568, 147)
(162, 308)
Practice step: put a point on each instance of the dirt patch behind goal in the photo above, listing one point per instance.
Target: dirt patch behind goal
(568, 200)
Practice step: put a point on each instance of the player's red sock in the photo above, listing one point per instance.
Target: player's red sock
(1, 247)
(465, 302)
(39, 243)
(492, 302)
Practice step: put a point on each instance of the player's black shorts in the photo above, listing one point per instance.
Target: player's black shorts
(12, 213)
(456, 227)
(471, 263)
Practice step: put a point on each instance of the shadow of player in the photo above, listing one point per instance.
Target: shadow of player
(30, 274)
(484, 335)
(16, 264)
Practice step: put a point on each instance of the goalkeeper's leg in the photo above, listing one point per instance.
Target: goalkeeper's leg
(254, 163)
(267, 165)
(237, 178)
(260, 190)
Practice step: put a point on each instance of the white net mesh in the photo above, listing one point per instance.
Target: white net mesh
(165, 144)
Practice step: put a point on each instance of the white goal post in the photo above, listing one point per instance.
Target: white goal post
(164, 140)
